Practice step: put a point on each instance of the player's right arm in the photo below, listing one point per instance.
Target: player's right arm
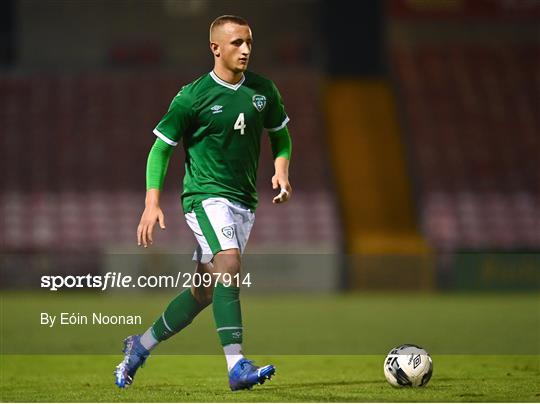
(156, 169)
(168, 131)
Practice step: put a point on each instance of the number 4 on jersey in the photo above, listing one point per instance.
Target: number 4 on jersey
(239, 124)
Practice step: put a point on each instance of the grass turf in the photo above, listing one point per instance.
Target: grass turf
(349, 324)
(174, 378)
(325, 348)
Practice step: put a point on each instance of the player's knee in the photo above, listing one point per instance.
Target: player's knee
(203, 294)
(228, 261)
(208, 293)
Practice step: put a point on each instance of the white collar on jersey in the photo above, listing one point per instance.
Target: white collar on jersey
(225, 84)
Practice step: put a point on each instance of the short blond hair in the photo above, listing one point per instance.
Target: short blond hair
(224, 19)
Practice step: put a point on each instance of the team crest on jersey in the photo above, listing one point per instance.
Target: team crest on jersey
(259, 102)
(228, 231)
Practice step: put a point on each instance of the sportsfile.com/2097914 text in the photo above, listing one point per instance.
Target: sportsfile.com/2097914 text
(118, 280)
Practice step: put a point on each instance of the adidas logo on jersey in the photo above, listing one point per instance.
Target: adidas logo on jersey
(216, 109)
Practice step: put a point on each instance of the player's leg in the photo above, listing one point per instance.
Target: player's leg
(217, 224)
(203, 294)
(179, 314)
(227, 226)
(188, 304)
(226, 307)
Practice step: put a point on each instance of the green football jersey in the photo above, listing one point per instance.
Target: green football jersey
(220, 126)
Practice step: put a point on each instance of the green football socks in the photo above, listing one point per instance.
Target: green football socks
(179, 314)
(184, 308)
(227, 314)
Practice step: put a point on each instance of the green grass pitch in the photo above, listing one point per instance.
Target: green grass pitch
(325, 348)
(178, 378)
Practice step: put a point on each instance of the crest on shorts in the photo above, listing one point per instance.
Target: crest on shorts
(259, 102)
(228, 231)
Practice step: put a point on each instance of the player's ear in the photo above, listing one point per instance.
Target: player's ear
(214, 47)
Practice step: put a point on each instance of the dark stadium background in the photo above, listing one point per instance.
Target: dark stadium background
(416, 129)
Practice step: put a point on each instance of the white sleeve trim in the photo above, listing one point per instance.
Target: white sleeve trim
(164, 138)
(285, 121)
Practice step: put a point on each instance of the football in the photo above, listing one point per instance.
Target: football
(408, 365)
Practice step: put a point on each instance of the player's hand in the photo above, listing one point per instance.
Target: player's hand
(281, 182)
(151, 216)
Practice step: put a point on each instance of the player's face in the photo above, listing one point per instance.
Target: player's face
(235, 46)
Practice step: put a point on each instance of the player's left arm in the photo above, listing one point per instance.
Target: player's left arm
(281, 143)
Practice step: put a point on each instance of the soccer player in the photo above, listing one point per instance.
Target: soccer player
(219, 119)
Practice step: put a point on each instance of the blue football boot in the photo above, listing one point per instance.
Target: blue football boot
(244, 375)
(135, 357)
